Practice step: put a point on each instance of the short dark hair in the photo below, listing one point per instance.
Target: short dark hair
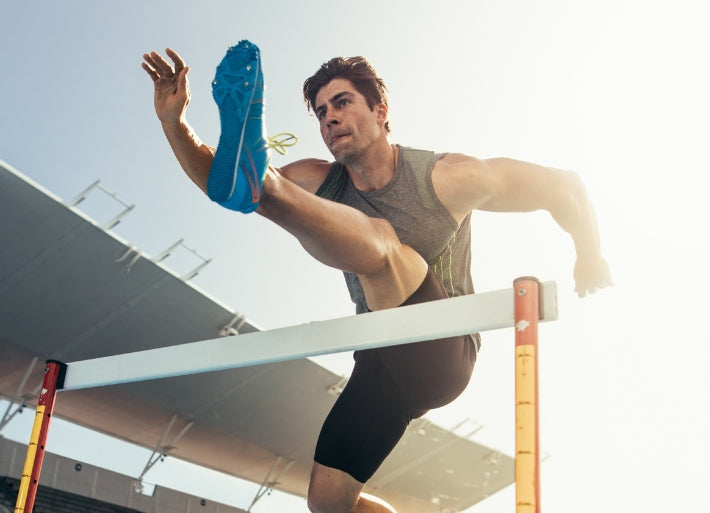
(358, 71)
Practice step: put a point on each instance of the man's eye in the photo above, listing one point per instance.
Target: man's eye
(320, 114)
(343, 102)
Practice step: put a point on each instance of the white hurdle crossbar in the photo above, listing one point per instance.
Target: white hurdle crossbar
(434, 320)
(414, 323)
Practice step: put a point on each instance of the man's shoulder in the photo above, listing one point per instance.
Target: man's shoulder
(460, 161)
(440, 162)
(409, 150)
(418, 160)
(307, 173)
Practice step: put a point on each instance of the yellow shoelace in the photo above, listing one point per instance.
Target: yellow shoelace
(281, 141)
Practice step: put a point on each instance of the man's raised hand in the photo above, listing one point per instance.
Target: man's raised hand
(172, 90)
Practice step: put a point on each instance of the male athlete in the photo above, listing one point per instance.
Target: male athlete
(396, 221)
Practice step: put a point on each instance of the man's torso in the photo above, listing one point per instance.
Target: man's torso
(410, 204)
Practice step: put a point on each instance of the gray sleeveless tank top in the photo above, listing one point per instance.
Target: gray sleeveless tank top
(417, 215)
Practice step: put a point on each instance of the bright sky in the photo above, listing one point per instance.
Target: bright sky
(616, 90)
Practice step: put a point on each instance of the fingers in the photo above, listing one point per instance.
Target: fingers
(157, 67)
(591, 276)
(151, 67)
(158, 63)
(183, 87)
(587, 289)
(151, 72)
(179, 63)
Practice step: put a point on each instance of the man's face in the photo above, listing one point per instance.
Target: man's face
(348, 126)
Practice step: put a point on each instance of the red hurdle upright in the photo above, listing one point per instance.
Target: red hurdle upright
(527, 437)
(54, 373)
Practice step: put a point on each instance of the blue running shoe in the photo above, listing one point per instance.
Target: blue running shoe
(243, 154)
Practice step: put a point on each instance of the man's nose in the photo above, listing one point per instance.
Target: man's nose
(331, 117)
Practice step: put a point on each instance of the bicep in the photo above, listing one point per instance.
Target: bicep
(465, 183)
(517, 186)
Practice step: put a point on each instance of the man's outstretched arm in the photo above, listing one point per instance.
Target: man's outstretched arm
(171, 98)
(505, 185)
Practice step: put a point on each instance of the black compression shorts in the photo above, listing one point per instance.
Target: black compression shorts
(388, 388)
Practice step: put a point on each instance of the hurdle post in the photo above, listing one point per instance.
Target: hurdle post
(527, 436)
(54, 373)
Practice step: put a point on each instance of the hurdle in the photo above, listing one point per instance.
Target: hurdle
(521, 307)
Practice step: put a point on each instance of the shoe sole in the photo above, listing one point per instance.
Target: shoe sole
(233, 89)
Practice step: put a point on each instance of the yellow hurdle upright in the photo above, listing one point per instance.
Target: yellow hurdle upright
(527, 439)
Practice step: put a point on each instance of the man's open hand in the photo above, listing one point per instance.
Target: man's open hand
(172, 91)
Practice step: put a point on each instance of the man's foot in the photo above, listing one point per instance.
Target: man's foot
(243, 152)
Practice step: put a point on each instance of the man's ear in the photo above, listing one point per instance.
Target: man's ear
(382, 112)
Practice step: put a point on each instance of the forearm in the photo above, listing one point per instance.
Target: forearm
(573, 211)
(194, 156)
(576, 216)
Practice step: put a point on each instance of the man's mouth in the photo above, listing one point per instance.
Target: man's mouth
(336, 138)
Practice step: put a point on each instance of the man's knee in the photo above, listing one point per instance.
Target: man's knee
(323, 500)
(317, 504)
(332, 491)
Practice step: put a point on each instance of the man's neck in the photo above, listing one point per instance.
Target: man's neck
(376, 170)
